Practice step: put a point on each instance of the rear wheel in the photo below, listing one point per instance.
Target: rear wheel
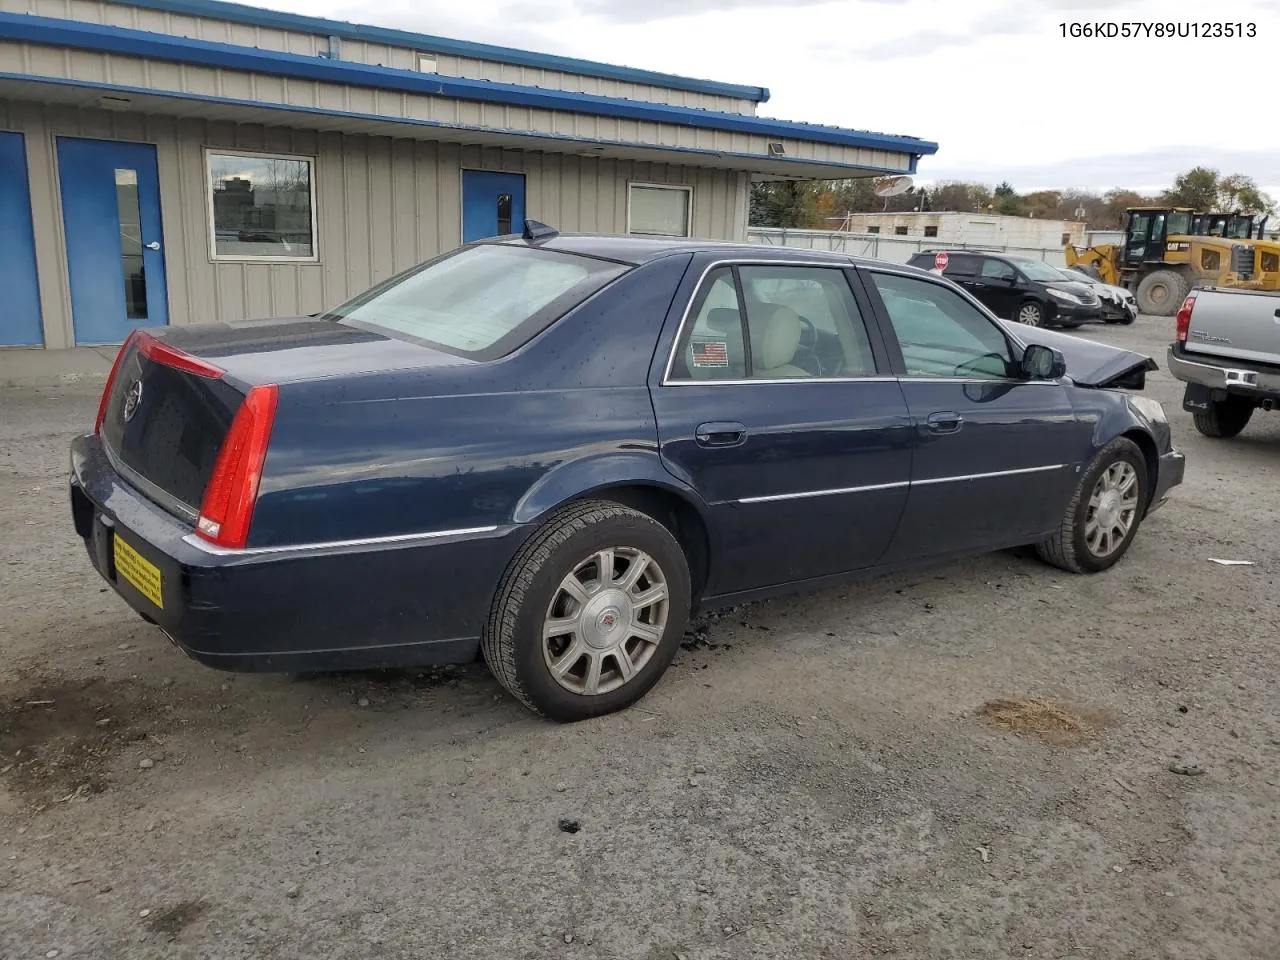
(1161, 292)
(590, 612)
(1031, 314)
(1103, 516)
(1224, 418)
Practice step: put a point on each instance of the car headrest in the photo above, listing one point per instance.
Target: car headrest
(724, 319)
(776, 346)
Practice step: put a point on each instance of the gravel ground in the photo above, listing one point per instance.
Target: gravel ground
(853, 773)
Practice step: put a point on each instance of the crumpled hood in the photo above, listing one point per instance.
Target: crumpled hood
(1089, 363)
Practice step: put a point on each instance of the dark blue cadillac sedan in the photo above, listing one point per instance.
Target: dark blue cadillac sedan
(552, 449)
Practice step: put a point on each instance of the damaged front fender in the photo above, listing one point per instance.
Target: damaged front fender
(1089, 363)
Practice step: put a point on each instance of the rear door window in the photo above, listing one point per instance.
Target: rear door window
(713, 345)
(961, 265)
(800, 322)
(993, 269)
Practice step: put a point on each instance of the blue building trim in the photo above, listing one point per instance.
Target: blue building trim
(693, 153)
(138, 43)
(274, 19)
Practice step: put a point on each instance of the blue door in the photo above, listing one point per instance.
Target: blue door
(492, 204)
(115, 250)
(20, 317)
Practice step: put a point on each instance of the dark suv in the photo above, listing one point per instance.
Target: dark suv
(1018, 288)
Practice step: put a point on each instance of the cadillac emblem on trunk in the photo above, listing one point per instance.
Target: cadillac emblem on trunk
(132, 399)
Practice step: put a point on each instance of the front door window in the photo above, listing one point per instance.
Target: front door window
(942, 335)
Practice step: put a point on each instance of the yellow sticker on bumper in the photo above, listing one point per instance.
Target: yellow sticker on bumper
(139, 572)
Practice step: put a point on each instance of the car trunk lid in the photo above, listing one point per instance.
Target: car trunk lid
(174, 392)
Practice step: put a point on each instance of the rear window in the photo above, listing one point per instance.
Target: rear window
(480, 302)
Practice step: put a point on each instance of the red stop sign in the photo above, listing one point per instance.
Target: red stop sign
(940, 260)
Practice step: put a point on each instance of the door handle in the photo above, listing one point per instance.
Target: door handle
(153, 245)
(945, 422)
(720, 434)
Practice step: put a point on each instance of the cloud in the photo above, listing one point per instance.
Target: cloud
(1011, 19)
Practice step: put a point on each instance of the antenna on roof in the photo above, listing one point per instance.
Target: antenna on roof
(534, 231)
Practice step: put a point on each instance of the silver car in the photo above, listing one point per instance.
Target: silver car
(1118, 303)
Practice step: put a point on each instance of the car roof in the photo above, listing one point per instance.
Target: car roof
(637, 250)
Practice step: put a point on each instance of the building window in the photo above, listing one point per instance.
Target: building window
(875, 229)
(659, 211)
(261, 207)
(1066, 239)
(900, 231)
(930, 231)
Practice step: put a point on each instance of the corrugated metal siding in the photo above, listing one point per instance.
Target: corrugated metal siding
(207, 81)
(382, 205)
(357, 51)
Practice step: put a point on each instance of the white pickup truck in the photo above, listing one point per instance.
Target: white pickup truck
(1228, 353)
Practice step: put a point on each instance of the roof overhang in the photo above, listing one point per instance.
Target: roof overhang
(89, 95)
(147, 46)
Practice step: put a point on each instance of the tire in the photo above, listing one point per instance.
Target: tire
(1070, 547)
(1161, 292)
(1128, 319)
(1029, 313)
(533, 594)
(1224, 418)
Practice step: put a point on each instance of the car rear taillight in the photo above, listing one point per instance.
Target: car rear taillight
(233, 486)
(157, 351)
(1184, 317)
(111, 380)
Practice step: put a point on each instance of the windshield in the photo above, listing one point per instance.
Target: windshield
(482, 301)
(1240, 228)
(1037, 270)
(1179, 224)
(1072, 274)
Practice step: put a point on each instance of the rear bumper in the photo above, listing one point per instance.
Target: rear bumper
(1232, 376)
(365, 605)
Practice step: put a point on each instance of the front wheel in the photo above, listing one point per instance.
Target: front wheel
(1030, 314)
(1161, 292)
(1224, 418)
(589, 613)
(1104, 514)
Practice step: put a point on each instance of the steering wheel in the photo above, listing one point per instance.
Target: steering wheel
(963, 368)
(807, 353)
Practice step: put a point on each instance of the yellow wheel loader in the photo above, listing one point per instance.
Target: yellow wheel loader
(1167, 251)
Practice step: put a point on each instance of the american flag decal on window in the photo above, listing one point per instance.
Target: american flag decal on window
(711, 353)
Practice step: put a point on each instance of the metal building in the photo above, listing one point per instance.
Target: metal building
(172, 161)
(969, 228)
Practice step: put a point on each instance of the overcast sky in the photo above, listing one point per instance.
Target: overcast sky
(992, 81)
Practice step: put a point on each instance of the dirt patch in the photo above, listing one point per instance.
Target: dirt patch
(171, 921)
(58, 736)
(1053, 723)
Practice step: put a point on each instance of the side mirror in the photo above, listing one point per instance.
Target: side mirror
(1043, 363)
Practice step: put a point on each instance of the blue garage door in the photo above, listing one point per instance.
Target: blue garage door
(492, 204)
(20, 315)
(115, 251)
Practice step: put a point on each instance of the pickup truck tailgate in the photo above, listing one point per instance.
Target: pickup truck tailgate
(1236, 324)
